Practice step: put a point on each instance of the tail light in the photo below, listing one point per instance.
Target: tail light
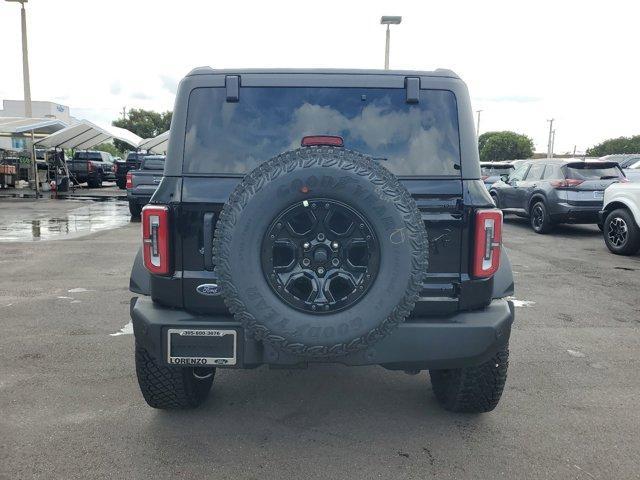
(155, 239)
(129, 180)
(90, 167)
(318, 140)
(487, 243)
(568, 183)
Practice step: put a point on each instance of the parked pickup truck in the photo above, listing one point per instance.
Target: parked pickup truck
(142, 183)
(132, 162)
(92, 167)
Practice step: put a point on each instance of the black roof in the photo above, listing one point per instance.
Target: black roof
(439, 72)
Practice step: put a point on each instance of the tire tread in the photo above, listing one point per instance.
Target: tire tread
(167, 387)
(474, 389)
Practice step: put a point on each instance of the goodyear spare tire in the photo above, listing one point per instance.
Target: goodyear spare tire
(320, 252)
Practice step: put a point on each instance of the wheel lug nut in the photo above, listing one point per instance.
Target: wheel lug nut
(326, 205)
(335, 245)
(306, 245)
(320, 270)
(335, 262)
(362, 225)
(321, 237)
(278, 225)
(306, 262)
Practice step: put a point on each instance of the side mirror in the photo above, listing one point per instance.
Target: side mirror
(504, 177)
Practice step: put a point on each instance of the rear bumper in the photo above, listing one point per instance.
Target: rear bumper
(138, 199)
(567, 213)
(463, 339)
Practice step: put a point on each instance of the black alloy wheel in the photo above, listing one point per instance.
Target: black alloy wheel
(320, 255)
(539, 218)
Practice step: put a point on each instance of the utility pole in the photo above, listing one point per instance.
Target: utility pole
(25, 60)
(549, 147)
(28, 113)
(386, 20)
(478, 123)
(553, 142)
(124, 112)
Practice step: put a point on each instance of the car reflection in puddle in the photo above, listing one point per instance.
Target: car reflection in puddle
(84, 220)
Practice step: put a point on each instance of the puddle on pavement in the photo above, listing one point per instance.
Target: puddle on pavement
(90, 218)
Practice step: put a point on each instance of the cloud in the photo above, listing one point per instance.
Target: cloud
(169, 83)
(116, 88)
(510, 99)
(141, 96)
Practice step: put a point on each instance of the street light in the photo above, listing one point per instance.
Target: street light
(25, 59)
(386, 20)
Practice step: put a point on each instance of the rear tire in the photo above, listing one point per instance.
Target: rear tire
(621, 233)
(539, 218)
(135, 209)
(95, 183)
(472, 389)
(494, 197)
(167, 387)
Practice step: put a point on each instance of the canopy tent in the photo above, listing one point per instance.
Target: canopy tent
(84, 135)
(22, 125)
(156, 144)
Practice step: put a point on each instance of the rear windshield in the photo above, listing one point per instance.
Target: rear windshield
(87, 156)
(593, 171)
(496, 170)
(153, 163)
(133, 156)
(410, 139)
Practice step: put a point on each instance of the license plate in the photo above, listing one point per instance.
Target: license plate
(599, 194)
(197, 347)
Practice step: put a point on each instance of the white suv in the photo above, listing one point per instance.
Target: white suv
(620, 218)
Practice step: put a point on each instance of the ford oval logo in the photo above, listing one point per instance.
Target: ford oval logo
(209, 289)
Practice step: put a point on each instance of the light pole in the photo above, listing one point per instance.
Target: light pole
(549, 146)
(386, 20)
(25, 59)
(478, 124)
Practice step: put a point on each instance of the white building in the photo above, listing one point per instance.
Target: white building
(15, 108)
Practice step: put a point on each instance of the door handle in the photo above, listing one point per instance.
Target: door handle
(207, 234)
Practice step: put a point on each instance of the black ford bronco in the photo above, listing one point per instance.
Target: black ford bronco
(322, 216)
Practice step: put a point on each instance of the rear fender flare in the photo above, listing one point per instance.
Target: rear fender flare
(140, 279)
(622, 202)
(503, 285)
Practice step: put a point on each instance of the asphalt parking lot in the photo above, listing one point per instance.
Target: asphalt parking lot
(70, 406)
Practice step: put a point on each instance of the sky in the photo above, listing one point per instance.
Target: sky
(524, 61)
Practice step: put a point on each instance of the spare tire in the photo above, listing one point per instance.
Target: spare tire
(320, 252)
